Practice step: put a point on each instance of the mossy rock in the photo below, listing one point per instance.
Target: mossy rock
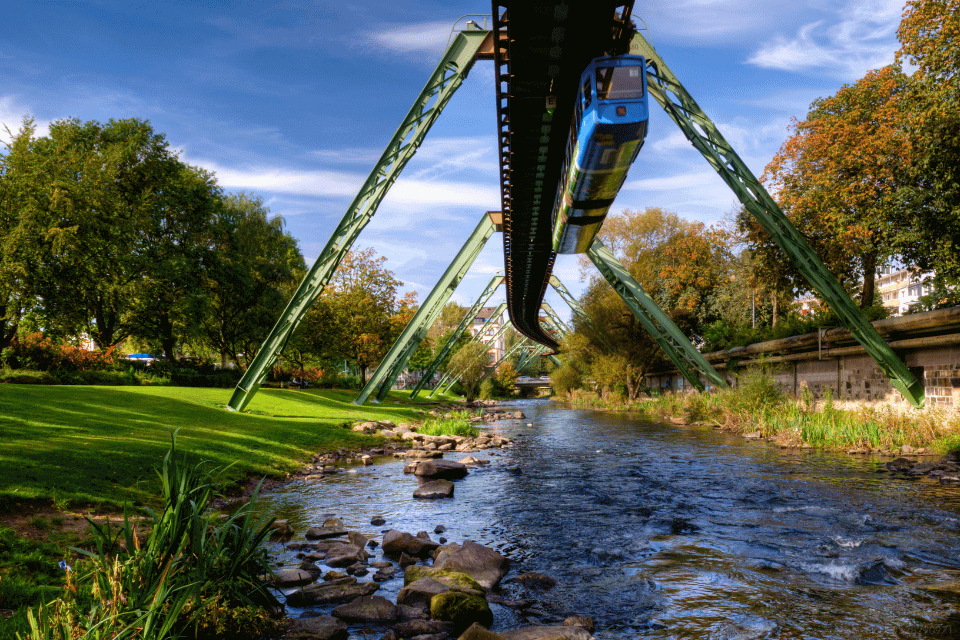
(463, 609)
(452, 579)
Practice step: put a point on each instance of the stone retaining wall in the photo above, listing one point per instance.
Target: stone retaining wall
(853, 377)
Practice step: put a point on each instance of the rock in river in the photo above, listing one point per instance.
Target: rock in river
(483, 564)
(376, 609)
(334, 592)
(434, 490)
(318, 628)
(446, 469)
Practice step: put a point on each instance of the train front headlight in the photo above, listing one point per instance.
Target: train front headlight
(621, 111)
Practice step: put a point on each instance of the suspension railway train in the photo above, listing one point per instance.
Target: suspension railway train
(609, 126)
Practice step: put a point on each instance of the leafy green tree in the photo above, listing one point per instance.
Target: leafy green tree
(359, 312)
(173, 253)
(21, 200)
(422, 357)
(250, 273)
(470, 363)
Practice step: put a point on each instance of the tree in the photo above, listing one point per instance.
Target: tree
(250, 273)
(20, 201)
(470, 363)
(450, 317)
(929, 218)
(839, 180)
(172, 254)
(359, 312)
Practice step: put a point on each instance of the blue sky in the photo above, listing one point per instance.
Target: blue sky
(295, 101)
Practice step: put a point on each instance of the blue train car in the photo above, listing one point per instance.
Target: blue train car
(609, 126)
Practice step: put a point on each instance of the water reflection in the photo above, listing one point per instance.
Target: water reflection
(681, 532)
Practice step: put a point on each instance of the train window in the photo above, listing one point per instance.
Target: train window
(587, 94)
(619, 83)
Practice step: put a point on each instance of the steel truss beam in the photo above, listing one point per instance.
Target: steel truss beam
(706, 138)
(468, 317)
(443, 83)
(558, 324)
(684, 355)
(579, 311)
(413, 334)
(446, 379)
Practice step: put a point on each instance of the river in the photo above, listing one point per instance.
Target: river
(665, 531)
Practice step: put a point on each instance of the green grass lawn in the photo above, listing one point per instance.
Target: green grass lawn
(87, 445)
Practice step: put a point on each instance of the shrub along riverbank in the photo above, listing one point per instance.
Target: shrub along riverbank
(69, 449)
(759, 408)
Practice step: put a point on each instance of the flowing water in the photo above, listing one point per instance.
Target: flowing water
(660, 531)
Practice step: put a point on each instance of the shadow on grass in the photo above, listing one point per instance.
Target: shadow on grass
(102, 444)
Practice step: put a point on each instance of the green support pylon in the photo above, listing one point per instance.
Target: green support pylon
(446, 79)
(666, 89)
(449, 378)
(684, 355)
(579, 311)
(557, 323)
(518, 345)
(416, 330)
(468, 317)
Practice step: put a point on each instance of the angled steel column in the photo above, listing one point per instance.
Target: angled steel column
(416, 330)
(468, 317)
(524, 341)
(579, 310)
(558, 324)
(444, 82)
(449, 378)
(684, 355)
(588, 321)
(705, 137)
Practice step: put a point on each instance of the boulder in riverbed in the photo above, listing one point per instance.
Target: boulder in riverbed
(317, 628)
(437, 469)
(333, 592)
(434, 490)
(368, 609)
(483, 564)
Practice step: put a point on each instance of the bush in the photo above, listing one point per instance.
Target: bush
(192, 575)
(38, 352)
(487, 389)
(448, 427)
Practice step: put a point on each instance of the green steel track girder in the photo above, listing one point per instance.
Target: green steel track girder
(666, 89)
(684, 355)
(468, 317)
(413, 334)
(446, 79)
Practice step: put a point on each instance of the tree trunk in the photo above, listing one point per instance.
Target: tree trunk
(773, 303)
(869, 280)
(8, 332)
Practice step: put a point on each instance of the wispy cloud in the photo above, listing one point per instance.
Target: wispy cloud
(12, 113)
(423, 36)
(863, 38)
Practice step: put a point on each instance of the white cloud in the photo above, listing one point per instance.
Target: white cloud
(423, 36)
(12, 113)
(858, 38)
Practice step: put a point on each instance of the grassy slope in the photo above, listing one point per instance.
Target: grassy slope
(102, 444)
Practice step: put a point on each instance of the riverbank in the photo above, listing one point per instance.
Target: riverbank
(759, 409)
(70, 451)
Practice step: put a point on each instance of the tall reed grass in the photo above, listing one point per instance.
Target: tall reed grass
(179, 572)
(759, 405)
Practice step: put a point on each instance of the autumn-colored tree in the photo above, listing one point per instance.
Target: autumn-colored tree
(929, 219)
(359, 314)
(838, 178)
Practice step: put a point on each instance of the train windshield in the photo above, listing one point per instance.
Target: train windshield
(620, 83)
